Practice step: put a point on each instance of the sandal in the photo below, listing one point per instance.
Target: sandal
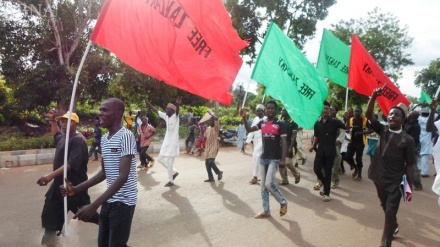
(317, 186)
(261, 215)
(283, 209)
(298, 178)
(254, 180)
(334, 186)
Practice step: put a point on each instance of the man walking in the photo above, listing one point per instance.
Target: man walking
(336, 170)
(425, 144)
(96, 145)
(52, 217)
(274, 135)
(118, 202)
(412, 128)
(324, 141)
(146, 133)
(394, 157)
(257, 142)
(170, 146)
(211, 150)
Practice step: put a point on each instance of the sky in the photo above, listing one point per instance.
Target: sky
(422, 18)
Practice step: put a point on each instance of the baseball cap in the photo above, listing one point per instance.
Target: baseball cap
(66, 116)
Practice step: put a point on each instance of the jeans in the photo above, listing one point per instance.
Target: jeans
(210, 164)
(268, 170)
(144, 156)
(115, 224)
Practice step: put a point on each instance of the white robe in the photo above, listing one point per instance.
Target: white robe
(436, 155)
(170, 145)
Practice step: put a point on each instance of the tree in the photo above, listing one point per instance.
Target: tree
(386, 42)
(297, 17)
(429, 78)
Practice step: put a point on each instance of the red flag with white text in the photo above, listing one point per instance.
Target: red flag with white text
(365, 75)
(189, 44)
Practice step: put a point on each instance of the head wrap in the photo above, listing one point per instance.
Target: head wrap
(171, 106)
(260, 106)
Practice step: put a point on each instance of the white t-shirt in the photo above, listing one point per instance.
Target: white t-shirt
(170, 145)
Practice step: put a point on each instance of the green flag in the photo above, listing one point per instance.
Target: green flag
(424, 97)
(289, 77)
(334, 56)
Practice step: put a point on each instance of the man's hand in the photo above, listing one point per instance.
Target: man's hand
(43, 181)
(69, 191)
(378, 91)
(86, 212)
(147, 102)
(358, 134)
(243, 113)
(282, 162)
(434, 104)
(179, 100)
(311, 149)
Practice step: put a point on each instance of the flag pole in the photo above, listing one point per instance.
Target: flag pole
(436, 93)
(262, 101)
(245, 94)
(346, 98)
(69, 120)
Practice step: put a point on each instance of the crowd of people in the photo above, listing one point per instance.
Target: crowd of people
(397, 146)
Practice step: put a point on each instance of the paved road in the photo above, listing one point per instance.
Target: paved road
(194, 213)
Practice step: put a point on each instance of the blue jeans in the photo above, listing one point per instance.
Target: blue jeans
(268, 170)
(115, 224)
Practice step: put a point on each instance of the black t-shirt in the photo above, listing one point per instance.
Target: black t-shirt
(271, 133)
(77, 158)
(327, 133)
(393, 152)
(358, 126)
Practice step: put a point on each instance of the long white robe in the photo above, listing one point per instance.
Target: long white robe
(436, 155)
(170, 145)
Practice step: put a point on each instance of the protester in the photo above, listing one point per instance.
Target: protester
(201, 141)
(412, 128)
(129, 120)
(336, 170)
(212, 145)
(300, 154)
(146, 132)
(257, 142)
(118, 202)
(432, 126)
(189, 142)
(291, 129)
(241, 137)
(274, 135)
(52, 217)
(425, 144)
(96, 145)
(170, 145)
(324, 142)
(394, 157)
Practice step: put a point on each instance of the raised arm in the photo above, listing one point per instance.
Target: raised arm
(245, 122)
(53, 123)
(148, 103)
(178, 103)
(370, 107)
(430, 126)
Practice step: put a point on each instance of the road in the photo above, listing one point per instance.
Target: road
(194, 213)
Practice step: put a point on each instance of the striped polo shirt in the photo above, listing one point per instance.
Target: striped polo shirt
(121, 144)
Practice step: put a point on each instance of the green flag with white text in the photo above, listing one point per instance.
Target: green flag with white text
(289, 77)
(333, 60)
(424, 97)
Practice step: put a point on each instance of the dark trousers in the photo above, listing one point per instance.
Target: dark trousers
(95, 149)
(210, 164)
(357, 149)
(390, 205)
(326, 163)
(115, 224)
(417, 181)
(143, 156)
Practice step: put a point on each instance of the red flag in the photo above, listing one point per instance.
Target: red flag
(189, 44)
(365, 75)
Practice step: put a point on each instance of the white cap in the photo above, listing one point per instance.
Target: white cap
(260, 106)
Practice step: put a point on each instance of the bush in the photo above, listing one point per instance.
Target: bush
(227, 120)
(31, 143)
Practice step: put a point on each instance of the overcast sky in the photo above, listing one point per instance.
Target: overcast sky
(422, 18)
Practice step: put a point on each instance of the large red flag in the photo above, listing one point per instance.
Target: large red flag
(189, 44)
(365, 75)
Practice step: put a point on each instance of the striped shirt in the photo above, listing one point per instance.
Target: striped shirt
(211, 135)
(120, 144)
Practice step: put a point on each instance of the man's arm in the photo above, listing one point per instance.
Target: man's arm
(178, 103)
(53, 123)
(430, 126)
(43, 181)
(370, 107)
(283, 150)
(148, 103)
(245, 122)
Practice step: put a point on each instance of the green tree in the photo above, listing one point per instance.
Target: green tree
(298, 17)
(384, 39)
(429, 78)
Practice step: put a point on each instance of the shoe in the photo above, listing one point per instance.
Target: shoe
(358, 179)
(418, 188)
(321, 192)
(326, 198)
(334, 186)
(220, 176)
(317, 186)
(355, 173)
(169, 184)
(298, 178)
(152, 163)
(144, 168)
(283, 183)
(140, 166)
(425, 176)
(296, 164)
(209, 180)
(262, 215)
(396, 230)
(254, 180)
(175, 175)
(283, 209)
(304, 161)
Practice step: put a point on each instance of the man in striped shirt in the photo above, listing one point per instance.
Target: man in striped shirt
(211, 150)
(119, 170)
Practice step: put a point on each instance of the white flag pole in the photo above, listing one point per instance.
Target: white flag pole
(346, 98)
(436, 93)
(245, 94)
(69, 120)
(262, 101)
